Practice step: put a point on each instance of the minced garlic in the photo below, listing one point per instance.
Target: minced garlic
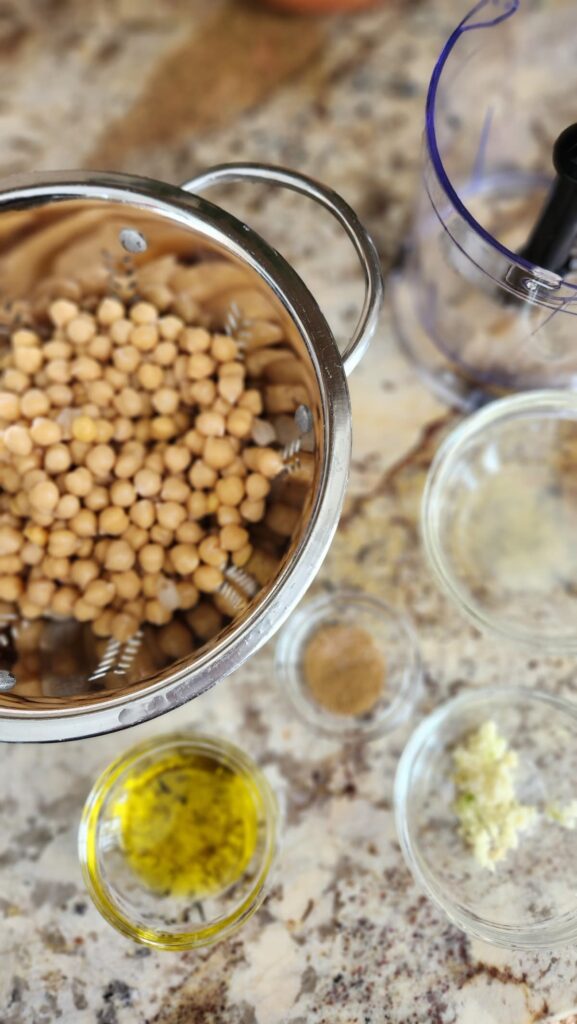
(490, 816)
(564, 815)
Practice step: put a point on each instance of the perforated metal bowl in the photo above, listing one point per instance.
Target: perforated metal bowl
(57, 681)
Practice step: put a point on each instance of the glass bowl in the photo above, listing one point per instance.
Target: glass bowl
(394, 640)
(149, 915)
(530, 899)
(499, 519)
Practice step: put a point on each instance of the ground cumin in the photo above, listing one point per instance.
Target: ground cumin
(343, 669)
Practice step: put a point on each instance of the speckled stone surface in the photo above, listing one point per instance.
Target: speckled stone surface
(345, 937)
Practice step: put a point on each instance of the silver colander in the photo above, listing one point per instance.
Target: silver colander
(58, 681)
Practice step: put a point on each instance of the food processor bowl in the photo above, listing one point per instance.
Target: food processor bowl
(476, 316)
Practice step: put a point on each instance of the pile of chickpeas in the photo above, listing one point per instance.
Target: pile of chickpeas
(130, 468)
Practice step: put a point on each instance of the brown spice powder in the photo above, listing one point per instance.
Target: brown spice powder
(343, 669)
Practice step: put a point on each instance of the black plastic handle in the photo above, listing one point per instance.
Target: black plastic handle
(555, 233)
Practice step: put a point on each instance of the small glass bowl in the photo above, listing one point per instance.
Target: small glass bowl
(395, 641)
(155, 919)
(499, 519)
(530, 899)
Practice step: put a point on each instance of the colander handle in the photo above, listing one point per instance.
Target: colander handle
(332, 201)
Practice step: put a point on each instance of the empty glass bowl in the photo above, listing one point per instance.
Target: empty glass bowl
(499, 518)
(352, 614)
(530, 899)
(118, 879)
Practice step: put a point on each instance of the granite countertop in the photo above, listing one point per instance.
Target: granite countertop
(346, 936)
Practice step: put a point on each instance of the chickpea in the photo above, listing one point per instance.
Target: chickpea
(119, 557)
(252, 511)
(9, 479)
(83, 611)
(197, 505)
(230, 490)
(241, 557)
(31, 554)
(187, 594)
(102, 625)
(109, 311)
(143, 313)
(123, 626)
(257, 486)
(100, 348)
(202, 392)
(113, 521)
(175, 640)
(128, 464)
(232, 537)
(85, 369)
(143, 514)
(115, 378)
(144, 337)
(100, 392)
(202, 476)
(150, 377)
(81, 329)
(194, 339)
(84, 523)
(85, 547)
(230, 388)
(62, 311)
(226, 514)
(162, 535)
(210, 424)
(127, 584)
(200, 365)
(218, 452)
(28, 360)
(100, 593)
(239, 423)
(207, 579)
(97, 500)
(62, 543)
(266, 461)
(84, 429)
(11, 588)
(83, 571)
(11, 565)
(63, 601)
(31, 477)
(35, 534)
(165, 401)
(126, 358)
(32, 404)
(165, 353)
(55, 568)
(123, 429)
(205, 620)
(10, 540)
(10, 405)
(147, 482)
(252, 401)
(17, 440)
(79, 482)
(122, 493)
(194, 441)
(224, 349)
(170, 515)
(170, 327)
(68, 506)
(15, 380)
(41, 592)
(156, 613)
(100, 460)
(211, 552)
(29, 610)
(189, 533)
(221, 406)
(58, 350)
(151, 558)
(120, 331)
(44, 496)
(60, 395)
(184, 558)
(174, 489)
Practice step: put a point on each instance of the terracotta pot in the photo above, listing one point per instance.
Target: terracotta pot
(320, 6)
